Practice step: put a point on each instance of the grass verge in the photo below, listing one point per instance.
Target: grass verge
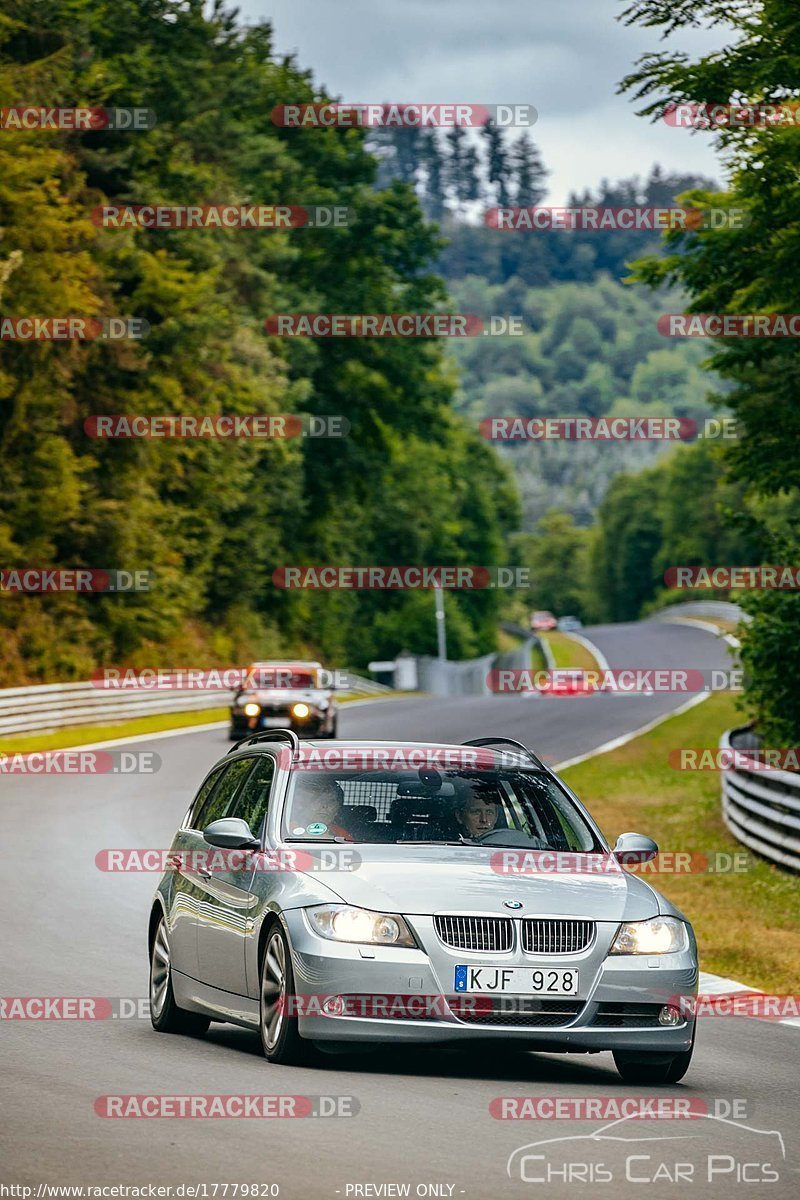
(747, 925)
(569, 653)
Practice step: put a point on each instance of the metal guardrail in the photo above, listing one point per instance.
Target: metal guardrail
(724, 610)
(62, 705)
(470, 677)
(761, 808)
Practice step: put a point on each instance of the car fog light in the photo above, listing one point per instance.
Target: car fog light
(252, 710)
(300, 710)
(669, 1015)
(334, 1006)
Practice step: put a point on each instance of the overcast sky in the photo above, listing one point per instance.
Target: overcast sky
(564, 57)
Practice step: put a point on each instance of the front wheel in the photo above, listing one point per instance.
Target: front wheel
(653, 1068)
(165, 1016)
(277, 1023)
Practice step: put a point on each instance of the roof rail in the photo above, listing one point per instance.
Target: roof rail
(504, 741)
(267, 735)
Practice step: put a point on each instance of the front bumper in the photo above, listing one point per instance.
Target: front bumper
(603, 1017)
(242, 726)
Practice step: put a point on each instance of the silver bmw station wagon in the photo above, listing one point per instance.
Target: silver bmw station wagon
(330, 894)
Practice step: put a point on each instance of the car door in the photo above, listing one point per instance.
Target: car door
(186, 892)
(223, 916)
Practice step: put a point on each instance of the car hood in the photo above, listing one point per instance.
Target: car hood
(427, 880)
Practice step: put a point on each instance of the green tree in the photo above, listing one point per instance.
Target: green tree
(212, 519)
(556, 554)
(498, 166)
(745, 269)
(529, 172)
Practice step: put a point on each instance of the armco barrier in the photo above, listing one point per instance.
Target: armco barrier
(762, 808)
(470, 677)
(61, 705)
(723, 610)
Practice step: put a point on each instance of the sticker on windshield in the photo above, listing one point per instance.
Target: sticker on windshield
(317, 827)
(299, 830)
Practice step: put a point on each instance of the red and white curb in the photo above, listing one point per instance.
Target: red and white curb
(717, 985)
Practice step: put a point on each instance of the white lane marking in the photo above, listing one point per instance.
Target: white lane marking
(624, 738)
(602, 661)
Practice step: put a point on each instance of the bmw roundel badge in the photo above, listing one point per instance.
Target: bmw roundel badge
(512, 903)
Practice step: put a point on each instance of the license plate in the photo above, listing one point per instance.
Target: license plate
(275, 722)
(525, 981)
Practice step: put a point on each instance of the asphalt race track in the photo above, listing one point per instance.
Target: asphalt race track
(423, 1120)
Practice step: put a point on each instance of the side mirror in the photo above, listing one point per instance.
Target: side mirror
(231, 833)
(634, 848)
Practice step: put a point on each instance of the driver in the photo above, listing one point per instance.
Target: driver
(321, 802)
(476, 816)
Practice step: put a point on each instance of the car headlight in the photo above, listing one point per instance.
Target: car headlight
(659, 935)
(251, 709)
(341, 923)
(300, 710)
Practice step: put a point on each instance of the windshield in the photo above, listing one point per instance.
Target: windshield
(497, 806)
(274, 678)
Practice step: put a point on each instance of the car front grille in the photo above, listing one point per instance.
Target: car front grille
(546, 936)
(515, 1011)
(486, 934)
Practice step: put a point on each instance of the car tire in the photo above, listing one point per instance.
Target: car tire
(165, 1015)
(278, 1028)
(653, 1069)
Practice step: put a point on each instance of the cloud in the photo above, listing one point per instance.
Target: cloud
(566, 59)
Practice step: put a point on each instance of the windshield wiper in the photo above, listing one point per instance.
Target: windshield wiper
(434, 842)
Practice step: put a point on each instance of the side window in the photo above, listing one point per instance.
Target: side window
(254, 796)
(200, 799)
(223, 797)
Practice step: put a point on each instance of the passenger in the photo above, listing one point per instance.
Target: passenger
(320, 802)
